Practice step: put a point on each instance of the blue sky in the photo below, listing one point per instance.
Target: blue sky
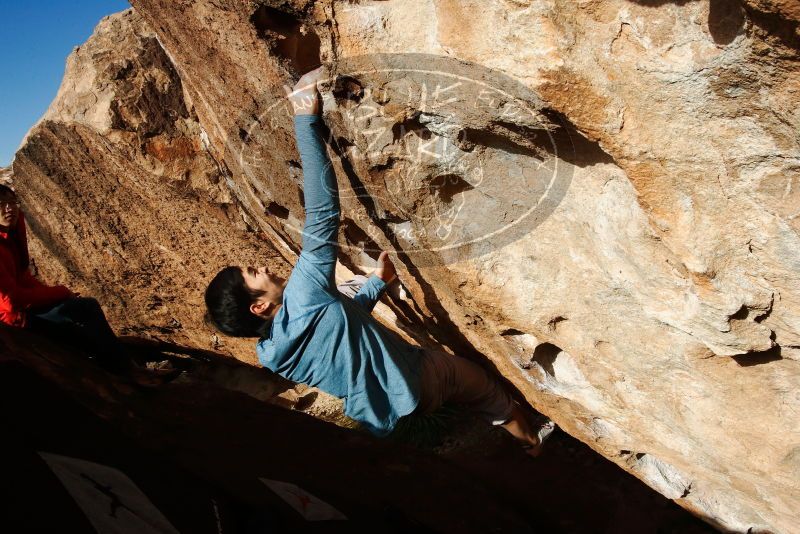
(35, 39)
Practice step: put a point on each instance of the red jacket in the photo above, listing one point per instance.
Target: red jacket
(19, 290)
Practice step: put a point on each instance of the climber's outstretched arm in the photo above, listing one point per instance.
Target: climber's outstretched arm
(320, 189)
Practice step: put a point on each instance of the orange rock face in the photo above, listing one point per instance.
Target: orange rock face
(124, 200)
(599, 197)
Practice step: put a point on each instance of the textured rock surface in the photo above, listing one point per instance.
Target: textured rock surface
(120, 192)
(652, 307)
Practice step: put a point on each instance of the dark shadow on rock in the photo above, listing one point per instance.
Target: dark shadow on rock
(281, 30)
(759, 358)
(509, 145)
(358, 239)
(203, 366)
(198, 453)
(545, 355)
(573, 147)
(155, 347)
(726, 19)
(564, 141)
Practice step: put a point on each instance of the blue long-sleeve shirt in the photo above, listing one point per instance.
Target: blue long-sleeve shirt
(326, 340)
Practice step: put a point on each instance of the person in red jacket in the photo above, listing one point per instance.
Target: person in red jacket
(20, 292)
(54, 311)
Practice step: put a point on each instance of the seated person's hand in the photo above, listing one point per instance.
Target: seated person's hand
(385, 270)
(304, 96)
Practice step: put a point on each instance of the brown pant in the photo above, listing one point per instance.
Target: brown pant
(448, 378)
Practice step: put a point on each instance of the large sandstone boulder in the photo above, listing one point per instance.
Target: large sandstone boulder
(123, 198)
(600, 198)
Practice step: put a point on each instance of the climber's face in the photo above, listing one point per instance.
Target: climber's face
(9, 211)
(267, 286)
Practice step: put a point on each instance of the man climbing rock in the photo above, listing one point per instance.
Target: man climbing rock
(310, 333)
(56, 311)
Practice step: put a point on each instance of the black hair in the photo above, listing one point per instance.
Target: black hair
(228, 301)
(5, 190)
